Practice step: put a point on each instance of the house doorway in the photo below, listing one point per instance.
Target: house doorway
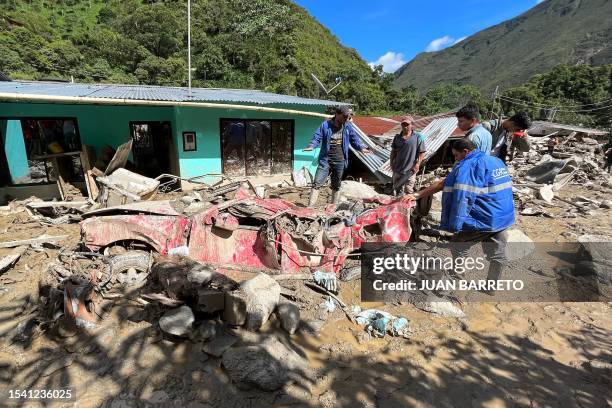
(256, 147)
(152, 148)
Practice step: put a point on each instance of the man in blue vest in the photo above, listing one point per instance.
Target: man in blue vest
(477, 204)
(334, 137)
(468, 120)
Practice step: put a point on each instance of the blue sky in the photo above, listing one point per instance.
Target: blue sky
(392, 32)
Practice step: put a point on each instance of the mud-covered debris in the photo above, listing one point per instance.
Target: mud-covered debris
(267, 366)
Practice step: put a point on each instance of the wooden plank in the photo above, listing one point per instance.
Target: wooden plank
(43, 239)
(120, 158)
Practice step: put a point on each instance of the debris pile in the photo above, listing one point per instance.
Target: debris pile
(538, 176)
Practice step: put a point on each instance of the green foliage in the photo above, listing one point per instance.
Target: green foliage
(577, 94)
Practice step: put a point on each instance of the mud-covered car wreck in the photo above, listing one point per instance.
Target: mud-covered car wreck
(252, 233)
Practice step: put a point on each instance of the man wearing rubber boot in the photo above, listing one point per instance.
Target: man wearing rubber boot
(477, 204)
(334, 137)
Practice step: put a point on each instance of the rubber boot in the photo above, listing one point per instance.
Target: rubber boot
(335, 197)
(495, 271)
(312, 200)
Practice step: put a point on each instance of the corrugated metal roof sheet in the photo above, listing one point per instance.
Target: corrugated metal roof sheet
(436, 133)
(156, 93)
(539, 126)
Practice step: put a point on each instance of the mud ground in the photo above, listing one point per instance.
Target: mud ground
(500, 355)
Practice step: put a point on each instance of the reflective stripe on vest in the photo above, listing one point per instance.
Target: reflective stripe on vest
(478, 190)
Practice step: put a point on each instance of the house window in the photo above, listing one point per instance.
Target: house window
(37, 149)
(256, 147)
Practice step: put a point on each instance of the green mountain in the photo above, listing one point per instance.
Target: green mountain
(553, 32)
(272, 45)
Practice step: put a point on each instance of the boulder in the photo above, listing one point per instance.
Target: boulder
(261, 295)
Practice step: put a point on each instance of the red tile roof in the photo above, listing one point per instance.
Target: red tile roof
(375, 126)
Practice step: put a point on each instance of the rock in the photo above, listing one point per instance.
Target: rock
(177, 321)
(355, 190)
(442, 308)
(261, 294)
(520, 245)
(234, 312)
(594, 255)
(219, 345)
(267, 366)
(289, 316)
(312, 327)
(210, 300)
(606, 204)
(207, 330)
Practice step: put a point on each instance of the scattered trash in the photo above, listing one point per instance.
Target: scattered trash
(329, 305)
(326, 280)
(379, 323)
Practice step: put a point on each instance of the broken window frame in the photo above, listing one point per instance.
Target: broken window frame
(272, 163)
(44, 158)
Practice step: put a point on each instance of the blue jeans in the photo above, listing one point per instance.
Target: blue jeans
(335, 169)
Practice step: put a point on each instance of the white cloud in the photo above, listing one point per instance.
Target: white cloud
(391, 61)
(443, 42)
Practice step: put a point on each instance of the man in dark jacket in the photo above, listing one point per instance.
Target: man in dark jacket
(477, 204)
(334, 137)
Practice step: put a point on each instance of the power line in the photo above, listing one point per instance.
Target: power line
(545, 105)
(559, 109)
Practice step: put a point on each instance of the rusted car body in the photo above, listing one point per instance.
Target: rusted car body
(253, 233)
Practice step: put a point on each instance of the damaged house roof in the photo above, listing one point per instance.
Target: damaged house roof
(24, 90)
(436, 133)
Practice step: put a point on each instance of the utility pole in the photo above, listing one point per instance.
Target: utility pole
(493, 103)
(189, 44)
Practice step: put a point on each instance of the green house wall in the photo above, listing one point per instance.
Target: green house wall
(101, 125)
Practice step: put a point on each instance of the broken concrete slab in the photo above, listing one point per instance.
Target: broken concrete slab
(289, 316)
(177, 322)
(267, 366)
(9, 260)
